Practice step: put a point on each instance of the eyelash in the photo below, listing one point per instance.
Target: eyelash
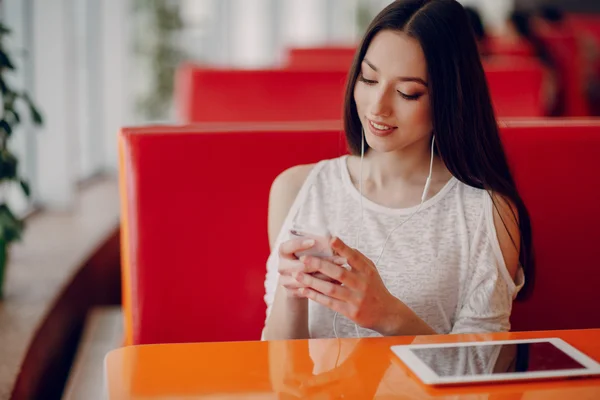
(371, 82)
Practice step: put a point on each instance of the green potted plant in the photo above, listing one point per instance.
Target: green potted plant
(159, 23)
(13, 100)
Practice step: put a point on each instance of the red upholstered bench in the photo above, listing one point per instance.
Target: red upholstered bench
(555, 163)
(499, 45)
(515, 85)
(565, 49)
(194, 223)
(320, 58)
(218, 95)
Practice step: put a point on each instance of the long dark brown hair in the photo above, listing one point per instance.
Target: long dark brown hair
(466, 132)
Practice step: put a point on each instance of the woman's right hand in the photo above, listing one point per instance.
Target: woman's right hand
(289, 265)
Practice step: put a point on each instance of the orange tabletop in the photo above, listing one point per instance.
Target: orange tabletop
(319, 369)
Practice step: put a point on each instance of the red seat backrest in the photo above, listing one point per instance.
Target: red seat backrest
(501, 46)
(515, 85)
(195, 223)
(556, 165)
(320, 58)
(587, 28)
(565, 50)
(587, 23)
(217, 95)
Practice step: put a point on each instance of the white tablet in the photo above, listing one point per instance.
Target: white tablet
(505, 360)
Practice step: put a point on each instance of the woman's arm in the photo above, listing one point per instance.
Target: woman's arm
(495, 279)
(506, 225)
(364, 299)
(288, 318)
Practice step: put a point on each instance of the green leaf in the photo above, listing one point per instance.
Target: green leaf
(8, 166)
(25, 187)
(3, 250)
(11, 228)
(3, 261)
(36, 116)
(8, 98)
(11, 117)
(5, 126)
(4, 30)
(15, 115)
(5, 61)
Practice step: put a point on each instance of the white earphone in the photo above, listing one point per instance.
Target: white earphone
(423, 198)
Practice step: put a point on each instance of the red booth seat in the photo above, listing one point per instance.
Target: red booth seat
(320, 58)
(194, 223)
(215, 95)
(555, 163)
(565, 49)
(515, 85)
(209, 95)
(498, 45)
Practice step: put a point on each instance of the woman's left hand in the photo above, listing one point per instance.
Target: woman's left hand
(362, 296)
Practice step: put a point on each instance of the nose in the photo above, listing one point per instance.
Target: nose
(381, 106)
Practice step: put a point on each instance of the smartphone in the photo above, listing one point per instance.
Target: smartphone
(321, 237)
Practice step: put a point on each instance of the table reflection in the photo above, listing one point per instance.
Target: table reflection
(343, 368)
(359, 369)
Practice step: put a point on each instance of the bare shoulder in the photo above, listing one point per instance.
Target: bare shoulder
(506, 221)
(283, 192)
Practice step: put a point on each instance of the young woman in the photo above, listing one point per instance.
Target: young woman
(428, 230)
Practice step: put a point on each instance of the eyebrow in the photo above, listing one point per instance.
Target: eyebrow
(401, 78)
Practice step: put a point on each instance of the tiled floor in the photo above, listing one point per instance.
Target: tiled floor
(53, 248)
(103, 332)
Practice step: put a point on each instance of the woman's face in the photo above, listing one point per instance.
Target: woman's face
(391, 93)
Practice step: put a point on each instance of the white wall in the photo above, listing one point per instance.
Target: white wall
(255, 33)
(75, 59)
(117, 109)
(493, 12)
(251, 44)
(305, 22)
(90, 127)
(343, 22)
(54, 90)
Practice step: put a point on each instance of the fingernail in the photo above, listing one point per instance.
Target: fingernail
(308, 243)
(340, 261)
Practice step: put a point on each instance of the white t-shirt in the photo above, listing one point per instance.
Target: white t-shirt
(445, 263)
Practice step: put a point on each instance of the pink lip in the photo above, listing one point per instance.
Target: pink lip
(379, 132)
